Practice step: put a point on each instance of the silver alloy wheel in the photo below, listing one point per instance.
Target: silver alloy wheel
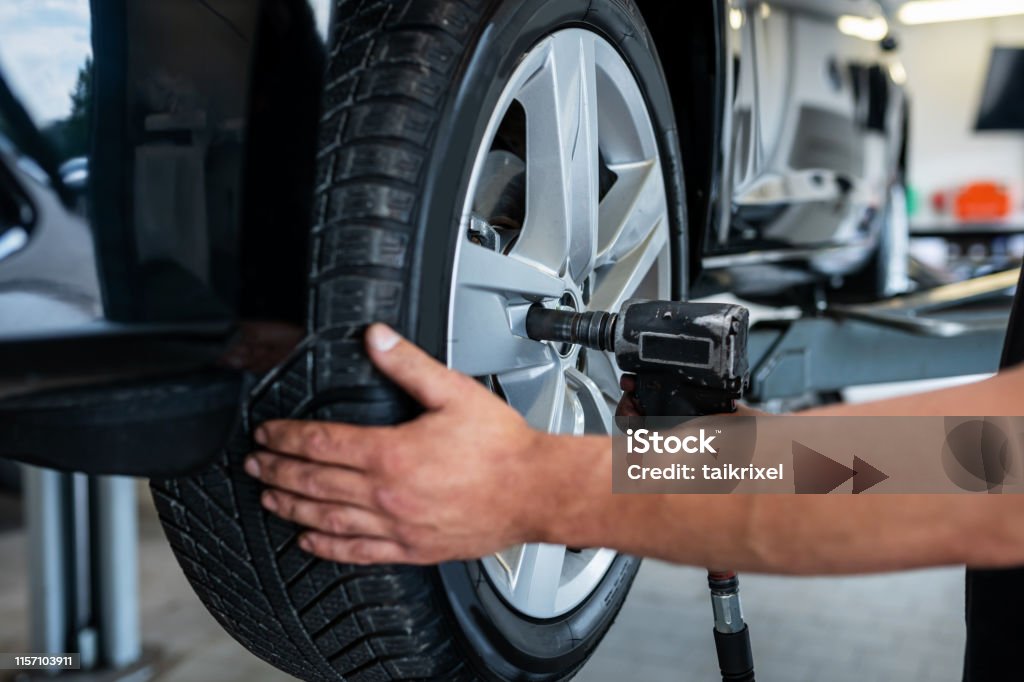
(593, 234)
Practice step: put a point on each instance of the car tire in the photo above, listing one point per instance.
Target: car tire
(409, 91)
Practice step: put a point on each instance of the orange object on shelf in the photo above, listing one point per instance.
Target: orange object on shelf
(983, 201)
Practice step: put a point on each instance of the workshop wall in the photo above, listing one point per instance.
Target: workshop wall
(947, 66)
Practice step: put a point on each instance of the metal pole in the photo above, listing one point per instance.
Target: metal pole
(82, 635)
(115, 538)
(45, 519)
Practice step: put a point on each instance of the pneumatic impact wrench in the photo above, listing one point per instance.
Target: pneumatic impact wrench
(690, 359)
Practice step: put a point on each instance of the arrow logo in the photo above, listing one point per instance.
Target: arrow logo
(867, 476)
(816, 474)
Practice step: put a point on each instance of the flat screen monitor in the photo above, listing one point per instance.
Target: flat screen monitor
(1002, 104)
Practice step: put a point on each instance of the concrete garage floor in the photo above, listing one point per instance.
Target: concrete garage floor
(897, 627)
(905, 628)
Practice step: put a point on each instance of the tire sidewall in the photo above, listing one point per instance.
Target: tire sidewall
(505, 643)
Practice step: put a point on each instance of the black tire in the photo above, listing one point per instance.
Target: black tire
(409, 89)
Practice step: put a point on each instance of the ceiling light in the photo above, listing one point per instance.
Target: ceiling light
(898, 73)
(860, 27)
(736, 19)
(936, 11)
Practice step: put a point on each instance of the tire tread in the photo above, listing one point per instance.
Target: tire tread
(390, 67)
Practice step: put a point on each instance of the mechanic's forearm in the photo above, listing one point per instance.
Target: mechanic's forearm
(777, 533)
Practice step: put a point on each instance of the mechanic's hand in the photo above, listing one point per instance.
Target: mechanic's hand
(628, 404)
(459, 482)
(630, 407)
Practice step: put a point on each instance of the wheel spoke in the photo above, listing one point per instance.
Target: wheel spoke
(596, 413)
(574, 420)
(539, 576)
(603, 371)
(619, 282)
(538, 393)
(632, 209)
(491, 290)
(486, 270)
(562, 160)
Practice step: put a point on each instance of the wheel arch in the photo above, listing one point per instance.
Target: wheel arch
(697, 80)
